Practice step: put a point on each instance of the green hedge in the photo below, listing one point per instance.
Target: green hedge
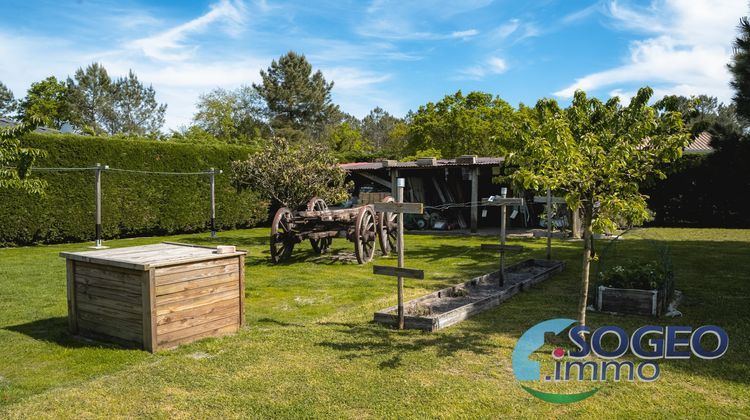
(132, 204)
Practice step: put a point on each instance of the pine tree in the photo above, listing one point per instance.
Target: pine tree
(7, 101)
(135, 110)
(91, 99)
(740, 69)
(297, 98)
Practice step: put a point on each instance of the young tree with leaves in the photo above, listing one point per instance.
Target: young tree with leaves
(48, 101)
(291, 174)
(477, 124)
(297, 99)
(7, 101)
(16, 161)
(232, 116)
(597, 154)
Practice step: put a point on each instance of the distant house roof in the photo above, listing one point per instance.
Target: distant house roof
(423, 163)
(7, 122)
(700, 144)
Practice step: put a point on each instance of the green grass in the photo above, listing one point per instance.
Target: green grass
(310, 350)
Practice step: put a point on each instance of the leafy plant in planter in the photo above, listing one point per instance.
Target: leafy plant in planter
(635, 286)
(633, 275)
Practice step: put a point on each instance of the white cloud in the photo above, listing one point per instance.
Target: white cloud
(350, 78)
(686, 50)
(170, 45)
(516, 30)
(582, 14)
(506, 29)
(405, 20)
(357, 91)
(465, 34)
(493, 65)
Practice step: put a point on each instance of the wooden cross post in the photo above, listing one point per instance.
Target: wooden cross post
(400, 208)
(549, 200)
(503, 201)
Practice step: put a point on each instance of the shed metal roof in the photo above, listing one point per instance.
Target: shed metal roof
(369, 166)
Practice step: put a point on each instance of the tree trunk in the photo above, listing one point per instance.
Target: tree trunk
(584, 296)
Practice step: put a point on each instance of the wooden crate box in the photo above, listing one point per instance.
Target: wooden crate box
(155, 296)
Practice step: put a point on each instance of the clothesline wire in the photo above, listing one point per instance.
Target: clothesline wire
(136, 171)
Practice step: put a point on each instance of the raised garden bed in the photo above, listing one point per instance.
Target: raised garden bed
(453, 304)
(629, 301)
(636, 288)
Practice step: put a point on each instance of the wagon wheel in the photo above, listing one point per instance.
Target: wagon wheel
(364, 235)
(317, 204)
(320, 246)
(282, 243)
(387, 229)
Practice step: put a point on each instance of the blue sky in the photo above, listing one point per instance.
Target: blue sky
(393, 54)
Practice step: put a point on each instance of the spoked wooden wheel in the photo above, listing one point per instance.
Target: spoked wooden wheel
(282, 242)
(320, 246)
(365, 232)
(387, 229)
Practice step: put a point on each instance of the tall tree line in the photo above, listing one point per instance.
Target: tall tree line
(91, 102)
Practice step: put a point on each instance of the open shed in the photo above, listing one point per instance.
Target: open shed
(455, 186)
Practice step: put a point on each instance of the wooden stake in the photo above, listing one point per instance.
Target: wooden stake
(503, 194)
(400, 183)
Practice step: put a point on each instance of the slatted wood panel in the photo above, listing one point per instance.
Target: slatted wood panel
(197, 300)
(155, 296)
(629, 301)
(107, 303)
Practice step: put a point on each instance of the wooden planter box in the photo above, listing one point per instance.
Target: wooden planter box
(629, 301)
(449, 306)
(155, 296)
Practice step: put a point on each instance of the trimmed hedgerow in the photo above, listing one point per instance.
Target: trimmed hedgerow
(132, 204)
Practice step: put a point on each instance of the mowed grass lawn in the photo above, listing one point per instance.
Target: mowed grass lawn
(309, 348)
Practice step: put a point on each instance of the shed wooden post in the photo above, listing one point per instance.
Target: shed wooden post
(575, 224)
(474, 198)
(394, 178)
(549, 224)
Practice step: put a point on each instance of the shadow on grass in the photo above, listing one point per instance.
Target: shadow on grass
(366, 341)
(55, 330)
(277, 322)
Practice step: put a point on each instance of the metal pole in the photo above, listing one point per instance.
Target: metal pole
(503, 194)
(474, 213)
(98, 204)
(549, 224)
(401, 183)
(213, 202)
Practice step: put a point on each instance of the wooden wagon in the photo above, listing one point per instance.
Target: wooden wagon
(319, 224)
